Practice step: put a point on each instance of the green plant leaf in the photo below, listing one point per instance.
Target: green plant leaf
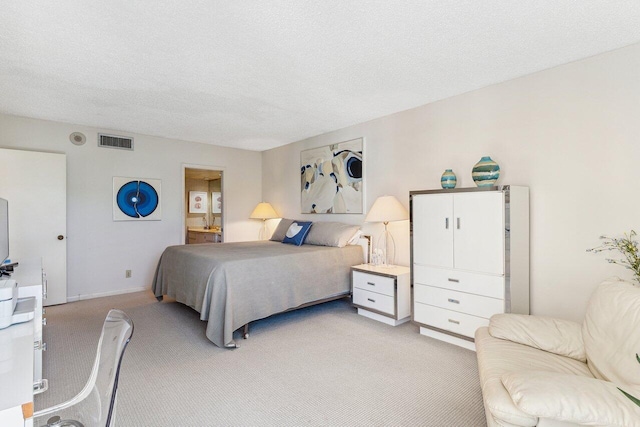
(637, 358)
(633, 399)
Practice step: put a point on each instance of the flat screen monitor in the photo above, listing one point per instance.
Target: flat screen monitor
(4, 230)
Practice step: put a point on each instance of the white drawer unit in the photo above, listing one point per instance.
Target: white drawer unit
(458, 301)
(448, 320)
(469, 258)
(375, 283)
(382, 293)
(473, 283)
(377, 302)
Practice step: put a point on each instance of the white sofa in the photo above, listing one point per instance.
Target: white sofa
(537, 371)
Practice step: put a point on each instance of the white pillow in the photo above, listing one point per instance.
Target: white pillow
(355, 239)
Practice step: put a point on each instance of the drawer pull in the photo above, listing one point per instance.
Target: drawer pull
(371, 299)
(454, 321)
(454, 301)
(371, 283)
(453, 280)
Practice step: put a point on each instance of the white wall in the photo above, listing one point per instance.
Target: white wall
(572, 134)
(99, 250)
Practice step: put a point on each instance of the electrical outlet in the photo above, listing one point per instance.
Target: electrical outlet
(127, 274)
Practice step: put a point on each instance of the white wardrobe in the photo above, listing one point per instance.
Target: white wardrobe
(469, 258)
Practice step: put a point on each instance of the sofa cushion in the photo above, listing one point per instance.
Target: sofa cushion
(497, 357)
(558, 336)
(571, 398)
(610, 332)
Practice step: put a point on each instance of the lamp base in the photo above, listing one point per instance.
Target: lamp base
(385, 252)
(264, 233)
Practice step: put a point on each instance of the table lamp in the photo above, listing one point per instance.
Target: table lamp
(386, 209)
(263, 211)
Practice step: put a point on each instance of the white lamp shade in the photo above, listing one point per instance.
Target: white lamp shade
(264, 211)
(387, 209)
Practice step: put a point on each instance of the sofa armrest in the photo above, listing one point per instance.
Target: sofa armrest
(558, 336)
(572, 398)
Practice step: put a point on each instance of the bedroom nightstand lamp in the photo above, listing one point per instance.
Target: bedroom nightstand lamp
(387, 209)
(264, 211)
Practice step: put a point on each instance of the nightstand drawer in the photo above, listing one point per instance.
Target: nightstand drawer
(374, 283)
(475, 305)
(473, 283)
(459, 323)
(374, 301)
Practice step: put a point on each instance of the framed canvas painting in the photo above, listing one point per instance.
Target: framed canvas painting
(198, 202)
(216, 202)
(136, 199)
(332, 179)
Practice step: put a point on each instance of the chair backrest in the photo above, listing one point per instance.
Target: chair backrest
(610, 332)
(95, 404)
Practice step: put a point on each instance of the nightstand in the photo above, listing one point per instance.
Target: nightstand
(382, 293)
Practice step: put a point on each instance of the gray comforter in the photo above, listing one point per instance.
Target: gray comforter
(232, 284)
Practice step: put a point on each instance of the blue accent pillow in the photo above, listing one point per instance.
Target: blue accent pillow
(297, 232)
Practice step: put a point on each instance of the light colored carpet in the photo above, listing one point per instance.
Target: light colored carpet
(323, 365)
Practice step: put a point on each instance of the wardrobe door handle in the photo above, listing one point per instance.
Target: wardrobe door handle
(446, 223)
(458, 223)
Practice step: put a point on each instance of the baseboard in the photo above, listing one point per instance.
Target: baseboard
(106, 294)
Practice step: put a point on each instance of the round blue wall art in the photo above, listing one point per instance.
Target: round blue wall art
(137, 199)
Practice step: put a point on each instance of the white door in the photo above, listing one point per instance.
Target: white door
(479, 231)
(432, 223)
(35, 184)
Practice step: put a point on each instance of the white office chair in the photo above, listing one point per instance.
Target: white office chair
(95, 405)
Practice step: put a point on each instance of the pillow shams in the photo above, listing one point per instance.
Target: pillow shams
(281, 230)
(335, 234)
(297, 232)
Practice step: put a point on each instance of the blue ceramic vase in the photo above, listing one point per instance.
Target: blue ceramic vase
(485, 173)
(448, 179)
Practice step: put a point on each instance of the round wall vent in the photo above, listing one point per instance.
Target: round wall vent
(77, 138)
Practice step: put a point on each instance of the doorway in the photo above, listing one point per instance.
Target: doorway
(203, 205)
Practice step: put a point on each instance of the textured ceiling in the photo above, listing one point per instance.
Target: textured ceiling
(259, 74)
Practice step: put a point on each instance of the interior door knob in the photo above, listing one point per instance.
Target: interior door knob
(60, 237)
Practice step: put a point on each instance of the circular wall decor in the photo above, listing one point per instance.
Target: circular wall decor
(77, 138)
(137, 199)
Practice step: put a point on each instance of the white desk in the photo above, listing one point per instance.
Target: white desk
(16, 375)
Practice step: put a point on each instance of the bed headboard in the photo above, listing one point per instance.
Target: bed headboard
(365, 243)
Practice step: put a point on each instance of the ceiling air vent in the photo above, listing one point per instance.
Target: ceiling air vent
(114, 141)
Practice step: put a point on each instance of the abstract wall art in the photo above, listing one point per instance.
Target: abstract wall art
(332, 178)
(136, 199)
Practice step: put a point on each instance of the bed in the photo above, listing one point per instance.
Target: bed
(232, 284)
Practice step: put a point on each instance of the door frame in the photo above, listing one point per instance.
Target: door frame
(183, 213)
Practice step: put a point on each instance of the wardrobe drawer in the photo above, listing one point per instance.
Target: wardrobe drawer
(374, 283)
(374, 301)
(473, 283)
(458, 301)
(459, 323)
